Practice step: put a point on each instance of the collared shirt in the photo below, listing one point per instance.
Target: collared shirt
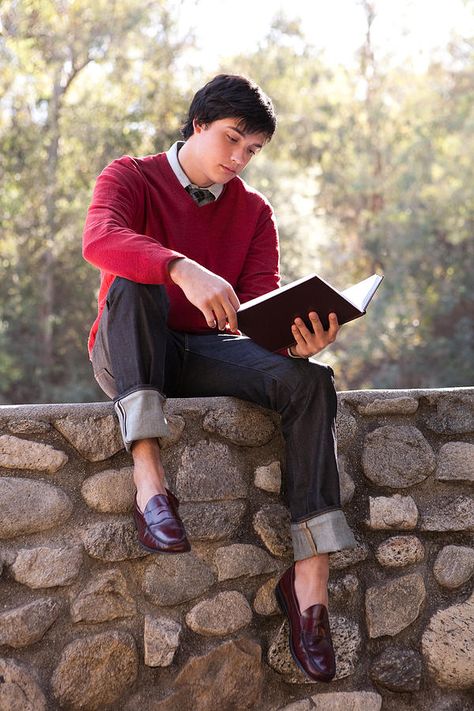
(172, 156)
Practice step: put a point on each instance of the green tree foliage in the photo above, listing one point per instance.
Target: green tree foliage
(82, 83)
(384, 155)
(370, 169)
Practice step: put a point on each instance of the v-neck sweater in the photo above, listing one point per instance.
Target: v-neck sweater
(141, 218)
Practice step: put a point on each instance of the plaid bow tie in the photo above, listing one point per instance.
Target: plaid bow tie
(200, 195)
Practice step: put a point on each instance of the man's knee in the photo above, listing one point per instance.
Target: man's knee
(312, 373)
(316, 382)
(304, 380)
(134, 292)
(322, 377)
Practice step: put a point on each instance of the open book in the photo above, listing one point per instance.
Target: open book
(267, 319)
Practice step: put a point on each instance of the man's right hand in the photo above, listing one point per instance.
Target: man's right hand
(211, 294)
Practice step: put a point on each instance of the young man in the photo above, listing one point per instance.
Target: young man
(181, 240)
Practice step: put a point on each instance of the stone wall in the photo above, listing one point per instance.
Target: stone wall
(88, 620)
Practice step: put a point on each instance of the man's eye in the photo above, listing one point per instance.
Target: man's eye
(232, 139)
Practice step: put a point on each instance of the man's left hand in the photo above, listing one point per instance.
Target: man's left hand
(309, 343)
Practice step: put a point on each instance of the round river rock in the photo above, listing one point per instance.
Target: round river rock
(28, 506)
(96, 670)
(397, 456)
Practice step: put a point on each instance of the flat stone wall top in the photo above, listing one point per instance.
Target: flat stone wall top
(357, 398)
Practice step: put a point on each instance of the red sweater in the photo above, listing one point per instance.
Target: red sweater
(141, 218)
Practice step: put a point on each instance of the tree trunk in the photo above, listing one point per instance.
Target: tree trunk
(48, 257)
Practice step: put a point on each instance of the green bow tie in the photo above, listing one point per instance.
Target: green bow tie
(200, 195)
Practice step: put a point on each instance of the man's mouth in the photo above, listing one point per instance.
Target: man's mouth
(229, 170)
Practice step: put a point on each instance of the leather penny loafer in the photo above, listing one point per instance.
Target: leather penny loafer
(174, 501)
(310, 636)
(160, 529)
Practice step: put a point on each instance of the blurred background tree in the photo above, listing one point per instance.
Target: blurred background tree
(370, 170)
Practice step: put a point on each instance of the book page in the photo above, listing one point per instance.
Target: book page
(361, 293)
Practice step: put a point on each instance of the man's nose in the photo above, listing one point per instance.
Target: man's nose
(238, 156)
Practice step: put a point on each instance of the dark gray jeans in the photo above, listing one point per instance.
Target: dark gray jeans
(139, 361)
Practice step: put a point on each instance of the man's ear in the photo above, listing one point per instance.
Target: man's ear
(198, 126)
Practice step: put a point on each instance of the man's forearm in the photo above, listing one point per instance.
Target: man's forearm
(209, 292)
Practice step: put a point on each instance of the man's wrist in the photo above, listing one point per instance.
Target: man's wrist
(175, 267)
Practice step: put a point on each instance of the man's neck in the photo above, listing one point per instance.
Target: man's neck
(188, 164)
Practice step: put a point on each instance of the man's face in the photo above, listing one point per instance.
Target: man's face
(222, 150)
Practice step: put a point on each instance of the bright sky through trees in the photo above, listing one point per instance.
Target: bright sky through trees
(409, 30)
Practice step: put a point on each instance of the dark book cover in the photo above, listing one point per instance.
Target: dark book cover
(267, 319)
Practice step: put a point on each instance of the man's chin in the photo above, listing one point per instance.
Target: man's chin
(226, 178)
(225, 175)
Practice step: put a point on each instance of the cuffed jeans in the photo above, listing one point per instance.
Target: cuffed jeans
(139, 361)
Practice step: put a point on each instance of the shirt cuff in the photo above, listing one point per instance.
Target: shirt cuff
(293, 356)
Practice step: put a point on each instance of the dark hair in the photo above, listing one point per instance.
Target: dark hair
(232, 96)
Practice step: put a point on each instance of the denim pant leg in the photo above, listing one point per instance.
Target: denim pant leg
(136, 358)
(134, 354)
(304, 395)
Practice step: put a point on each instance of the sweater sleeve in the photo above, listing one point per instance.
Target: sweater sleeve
(112, 240)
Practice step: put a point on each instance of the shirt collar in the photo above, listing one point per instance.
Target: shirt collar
(172, 155)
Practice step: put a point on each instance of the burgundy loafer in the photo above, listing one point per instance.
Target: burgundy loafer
(160, 529)
(310, 636)
(174, 501)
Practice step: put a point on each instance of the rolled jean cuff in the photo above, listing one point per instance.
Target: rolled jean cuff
(140, 414)
(323, 533)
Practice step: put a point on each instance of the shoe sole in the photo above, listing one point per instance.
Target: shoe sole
(158, 550)
(282, 605)
(161, 550)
